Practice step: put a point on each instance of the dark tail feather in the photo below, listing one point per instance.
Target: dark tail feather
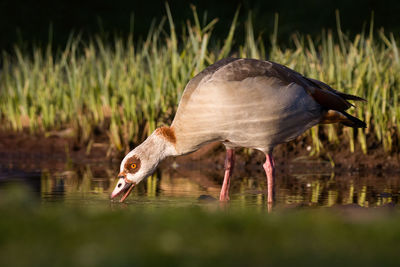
(353, 121)
(323, 85)
(350, 97)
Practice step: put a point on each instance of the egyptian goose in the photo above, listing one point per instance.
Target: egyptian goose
(242, 103)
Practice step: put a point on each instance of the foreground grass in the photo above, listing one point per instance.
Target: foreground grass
(128, 88)
(57, 235)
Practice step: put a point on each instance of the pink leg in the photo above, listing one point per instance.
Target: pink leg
(229, 164)
(269, 167)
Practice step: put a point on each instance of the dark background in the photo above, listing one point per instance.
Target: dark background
(28, 22)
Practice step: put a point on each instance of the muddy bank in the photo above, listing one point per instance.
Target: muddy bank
(55, 151)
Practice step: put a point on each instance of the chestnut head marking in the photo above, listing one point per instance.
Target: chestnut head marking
(132, 165)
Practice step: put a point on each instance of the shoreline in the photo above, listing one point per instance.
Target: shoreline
(23, 149)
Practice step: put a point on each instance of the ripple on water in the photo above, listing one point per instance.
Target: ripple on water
(89, 185)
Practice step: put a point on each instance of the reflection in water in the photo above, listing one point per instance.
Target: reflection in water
(86, 184)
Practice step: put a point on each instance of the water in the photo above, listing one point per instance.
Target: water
(64, 217)
(184, 186)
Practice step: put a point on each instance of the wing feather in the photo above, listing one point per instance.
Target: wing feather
(322, 93)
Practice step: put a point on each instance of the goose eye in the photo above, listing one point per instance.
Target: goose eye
(133, 166)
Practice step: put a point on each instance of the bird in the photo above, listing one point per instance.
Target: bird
(242, 103)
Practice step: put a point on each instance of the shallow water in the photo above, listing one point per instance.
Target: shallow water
(182, 186)
(62, 215)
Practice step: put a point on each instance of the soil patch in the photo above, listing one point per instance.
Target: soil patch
(24, 150)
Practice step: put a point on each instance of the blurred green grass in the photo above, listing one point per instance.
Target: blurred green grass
(34, 234)
(126, 88)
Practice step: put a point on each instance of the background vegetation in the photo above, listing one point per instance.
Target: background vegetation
(126, 87)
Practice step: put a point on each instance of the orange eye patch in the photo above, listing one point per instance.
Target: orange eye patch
(133, 166)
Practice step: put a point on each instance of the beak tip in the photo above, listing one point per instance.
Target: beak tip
(122, 187)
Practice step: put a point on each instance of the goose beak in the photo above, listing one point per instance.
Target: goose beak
(122, 187)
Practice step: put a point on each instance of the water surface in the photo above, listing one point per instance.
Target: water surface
(183, 186)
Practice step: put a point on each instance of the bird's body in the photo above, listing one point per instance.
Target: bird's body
(247, 111)
(245, 103)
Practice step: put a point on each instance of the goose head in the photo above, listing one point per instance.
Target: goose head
(130, 174)
(141, 162)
